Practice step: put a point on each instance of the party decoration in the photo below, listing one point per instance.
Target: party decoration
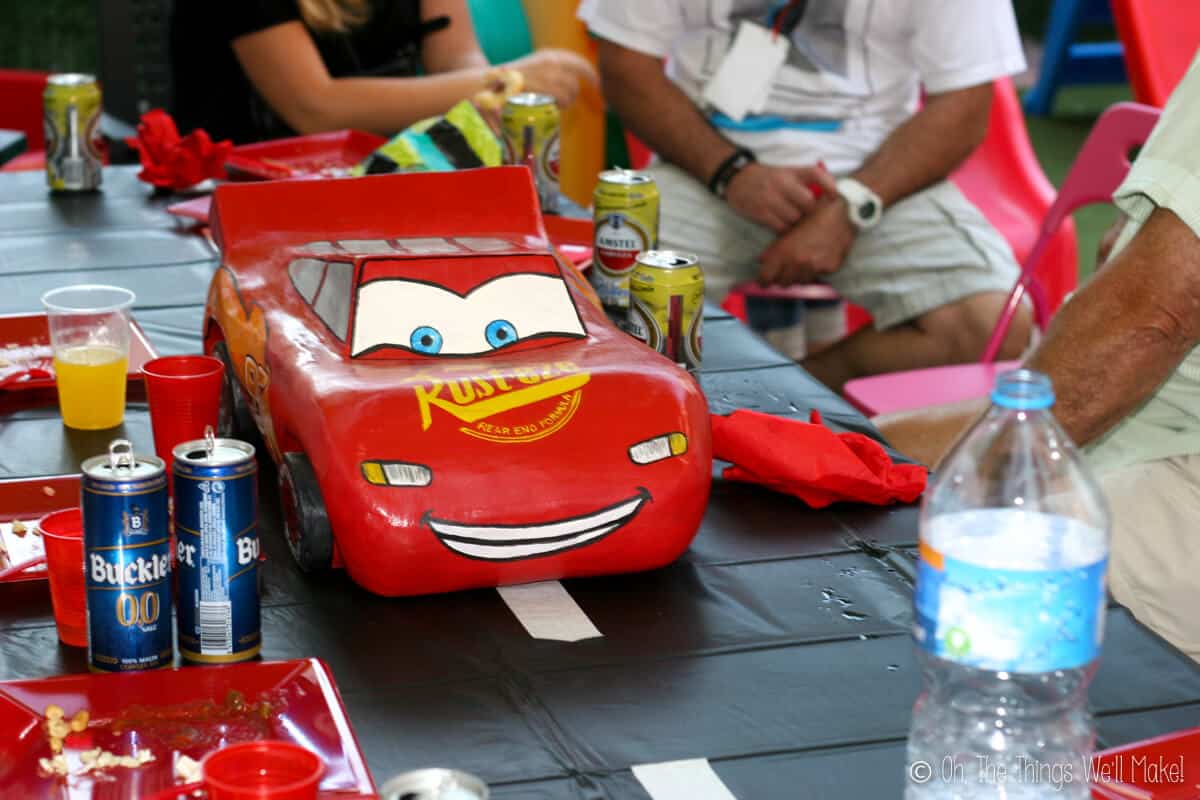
(448, 404)
(461, 139)
(173, 162)
(808, 460)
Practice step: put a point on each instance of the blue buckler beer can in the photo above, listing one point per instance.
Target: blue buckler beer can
(216, 511)
(127, 551)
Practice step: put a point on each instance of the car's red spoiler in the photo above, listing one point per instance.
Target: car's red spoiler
(475, 202)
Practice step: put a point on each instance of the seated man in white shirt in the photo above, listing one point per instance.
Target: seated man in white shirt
(1123, 357)
(892, 234)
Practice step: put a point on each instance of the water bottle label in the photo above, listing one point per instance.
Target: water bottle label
(1006, 619)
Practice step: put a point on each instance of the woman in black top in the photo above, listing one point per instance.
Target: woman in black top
(249, 70)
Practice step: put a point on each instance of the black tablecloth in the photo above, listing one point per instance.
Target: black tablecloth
(777, 646)
(12, 144)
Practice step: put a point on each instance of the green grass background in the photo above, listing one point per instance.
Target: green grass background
(60, 36)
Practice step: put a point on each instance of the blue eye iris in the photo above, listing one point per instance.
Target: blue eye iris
(500, 333)
(426, 340)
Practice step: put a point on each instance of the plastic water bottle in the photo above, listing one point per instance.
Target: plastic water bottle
(1010, 607)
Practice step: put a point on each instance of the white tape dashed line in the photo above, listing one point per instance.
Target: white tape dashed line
(548, 612)
(691, 779)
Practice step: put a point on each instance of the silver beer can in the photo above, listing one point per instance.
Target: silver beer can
(435, 784)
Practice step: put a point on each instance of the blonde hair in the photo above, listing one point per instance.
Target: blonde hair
(333, 15)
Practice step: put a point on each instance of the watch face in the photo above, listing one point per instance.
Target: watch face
(868, 210)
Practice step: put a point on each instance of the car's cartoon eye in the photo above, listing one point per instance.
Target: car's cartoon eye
(426, 340)
(500, 333)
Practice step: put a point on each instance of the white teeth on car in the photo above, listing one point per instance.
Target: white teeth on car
(507, 552)
(508, 542)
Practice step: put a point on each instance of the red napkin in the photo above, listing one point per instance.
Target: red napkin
(808, 460)
(173, 162)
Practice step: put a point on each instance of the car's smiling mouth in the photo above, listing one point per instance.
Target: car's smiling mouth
(511, 542)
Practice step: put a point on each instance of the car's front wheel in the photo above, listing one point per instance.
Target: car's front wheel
(305, 524)
(235, 419)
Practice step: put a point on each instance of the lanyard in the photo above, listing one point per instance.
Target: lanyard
(789, 17)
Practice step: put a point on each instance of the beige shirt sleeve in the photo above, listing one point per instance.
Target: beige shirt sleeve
(1167, 171)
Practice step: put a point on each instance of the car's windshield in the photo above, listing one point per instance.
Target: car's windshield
(462, 306)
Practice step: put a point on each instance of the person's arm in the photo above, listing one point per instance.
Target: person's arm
(924, 150)
(930, 145)
(454, 47)
(285, 67)
(1106, 351)
(1124, 333)
(667, 120)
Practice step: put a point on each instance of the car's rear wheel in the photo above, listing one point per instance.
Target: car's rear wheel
(305, 524)
(235, 419)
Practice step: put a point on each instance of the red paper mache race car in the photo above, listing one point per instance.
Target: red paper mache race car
(447, 403)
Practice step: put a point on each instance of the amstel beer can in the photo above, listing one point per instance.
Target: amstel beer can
(667, 305)
(127, 554)
(434, 784)
(530, 125)
(216, 513)
(72, 123)
(626, 223)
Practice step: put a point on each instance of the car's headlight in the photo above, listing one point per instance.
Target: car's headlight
(658, 448)
(396, 473)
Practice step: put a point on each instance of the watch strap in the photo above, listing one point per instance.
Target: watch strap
(723, 175)
(863, 205)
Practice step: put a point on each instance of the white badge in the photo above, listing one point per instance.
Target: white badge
(743, 81)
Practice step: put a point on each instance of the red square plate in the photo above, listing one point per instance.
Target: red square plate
(326, 154)
(25, 344)
(1162, 768)
(190, 711)
(196, 209)
(27, 500)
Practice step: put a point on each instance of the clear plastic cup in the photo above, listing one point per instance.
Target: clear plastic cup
(89, 332)
(62, 535)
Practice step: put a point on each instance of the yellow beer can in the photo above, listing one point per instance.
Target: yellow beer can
(626, 209)
(71, 105)
(530, 123)
(666, 308)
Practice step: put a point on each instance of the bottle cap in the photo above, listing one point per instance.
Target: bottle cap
(1023, 390)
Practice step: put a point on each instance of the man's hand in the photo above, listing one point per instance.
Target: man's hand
(777, 197)
(556, 72)
(816, 246)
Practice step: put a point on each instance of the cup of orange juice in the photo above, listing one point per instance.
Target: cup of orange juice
(89, 333)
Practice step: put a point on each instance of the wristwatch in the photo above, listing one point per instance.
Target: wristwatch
(863, 205)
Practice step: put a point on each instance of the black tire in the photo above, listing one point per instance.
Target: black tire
(305, 524)
(235, 421)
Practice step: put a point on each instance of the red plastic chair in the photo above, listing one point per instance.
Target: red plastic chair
(1005, 181)
(21, 110)
(1160, 39)
(1098, 170)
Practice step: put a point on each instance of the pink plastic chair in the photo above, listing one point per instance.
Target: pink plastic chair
(1101, 165)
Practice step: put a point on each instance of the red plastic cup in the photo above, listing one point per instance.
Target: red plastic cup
(257, 770)
(185, 396)
(62, 535)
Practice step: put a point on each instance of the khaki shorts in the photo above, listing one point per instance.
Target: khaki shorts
(930, 249)
(1154, 565)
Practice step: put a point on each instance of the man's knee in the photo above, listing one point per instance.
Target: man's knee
(962, 329)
